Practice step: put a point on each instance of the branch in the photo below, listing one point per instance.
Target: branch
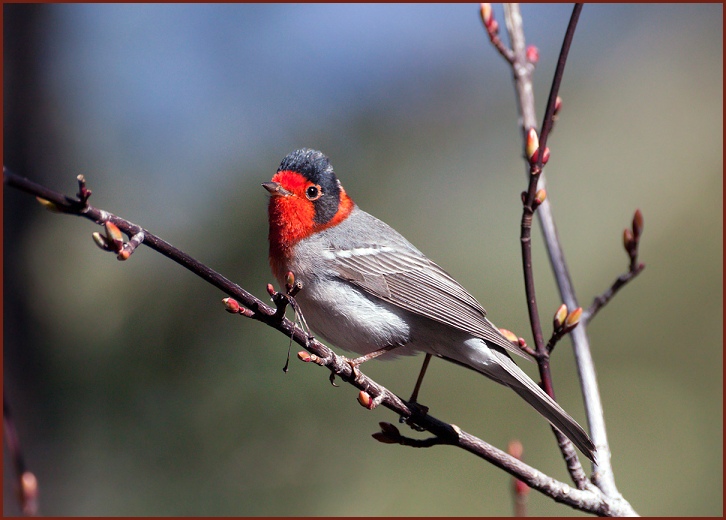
(520, 490)
(631, 241)
(537, 155)
(603, 474)
(589, 500)
(25, 482)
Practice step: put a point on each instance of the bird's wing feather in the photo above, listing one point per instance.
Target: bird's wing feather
(411, 281)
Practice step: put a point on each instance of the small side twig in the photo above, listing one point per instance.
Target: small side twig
(631, 241)
(83, 192)
(492, 29)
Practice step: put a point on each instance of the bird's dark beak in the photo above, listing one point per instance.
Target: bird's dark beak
(275, 189)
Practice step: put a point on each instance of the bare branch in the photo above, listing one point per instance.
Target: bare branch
(537, 154)
(25, 482)
(631, 241)
(492, 28)
(520, 490)
(603, 474)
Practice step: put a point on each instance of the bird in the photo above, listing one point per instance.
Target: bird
(368, 290)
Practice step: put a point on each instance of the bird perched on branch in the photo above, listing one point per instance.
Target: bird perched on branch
(368, 290)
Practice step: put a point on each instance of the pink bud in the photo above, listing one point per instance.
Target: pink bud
(509, 335)
(515, 449)
(486, 14)
(532, 54)
(627, 239)
(100, 240)
(560, 316)
(534, 158)
(532, 143)
(114, 237)
(558, 105)
(124, 254)
(231, 305)
(365, 400)
(546, 155)
(29, 492)
(520, 488)
(573, 318)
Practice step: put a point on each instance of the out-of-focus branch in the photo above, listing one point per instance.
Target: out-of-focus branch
(26, 485)
(520, 490)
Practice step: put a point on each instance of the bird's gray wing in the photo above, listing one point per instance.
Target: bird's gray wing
(407, 279)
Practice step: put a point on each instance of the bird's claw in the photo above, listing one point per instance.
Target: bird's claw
(418, 409)
(355, 371)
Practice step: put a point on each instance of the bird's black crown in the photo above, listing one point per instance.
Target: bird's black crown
(316, 167)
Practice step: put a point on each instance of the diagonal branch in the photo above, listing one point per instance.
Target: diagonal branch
(589, 500)
(631, 241)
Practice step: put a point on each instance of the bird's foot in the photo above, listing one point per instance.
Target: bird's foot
(355, 371)
(417, 409)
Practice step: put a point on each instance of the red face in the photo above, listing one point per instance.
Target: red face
(291, 211)
(295, 207)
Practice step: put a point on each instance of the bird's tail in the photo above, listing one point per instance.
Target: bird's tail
(530, 391)
(558, 417)
(495, 363)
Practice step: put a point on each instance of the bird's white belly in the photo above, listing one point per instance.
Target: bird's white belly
(351, 320)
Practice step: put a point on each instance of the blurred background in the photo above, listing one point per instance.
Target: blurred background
(134, 393)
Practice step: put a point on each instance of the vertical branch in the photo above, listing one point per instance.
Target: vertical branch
(557, 80)
(26, 484)
(535, 196)
(603, 475)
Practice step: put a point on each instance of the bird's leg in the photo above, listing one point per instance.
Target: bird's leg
(362, 359)
(424, 367)
(413, 400)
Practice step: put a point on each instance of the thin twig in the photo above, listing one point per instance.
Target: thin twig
(631, 243)
(600, 301)
(548, 121)
(492, 28)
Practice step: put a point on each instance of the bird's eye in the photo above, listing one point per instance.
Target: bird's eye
(313, 192)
